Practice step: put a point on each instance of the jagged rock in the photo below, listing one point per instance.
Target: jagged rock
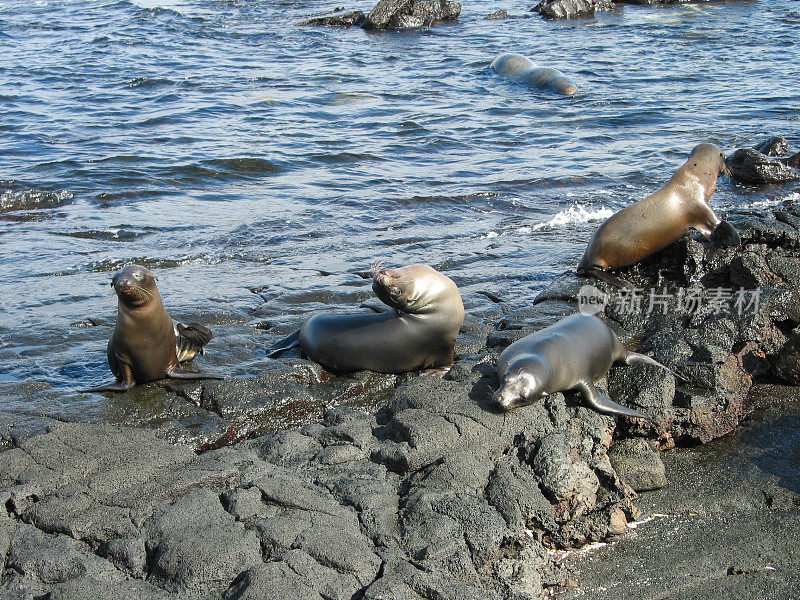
(500, 14)
(346, 19)
(638, 464)
(568, 9)
(403, 14)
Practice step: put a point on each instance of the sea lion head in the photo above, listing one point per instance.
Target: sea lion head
(520, 386)
(708, 158)
(134, 285)
(416, 289)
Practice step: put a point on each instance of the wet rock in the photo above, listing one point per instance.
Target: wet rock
(344, 19)
(638, 464)
(500, 14)
(787, 365)
(568, 9)
(403, 14)
(774, 146)
(754, 167)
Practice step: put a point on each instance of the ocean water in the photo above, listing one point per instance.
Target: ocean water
(258, 167)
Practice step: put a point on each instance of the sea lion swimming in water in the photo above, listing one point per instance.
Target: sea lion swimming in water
(655, 222)
(419, 333)
(146, 343)
(522, 68)
(571, 354)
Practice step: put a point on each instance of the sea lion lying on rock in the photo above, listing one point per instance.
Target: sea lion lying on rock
(569, 355)
(419, 333)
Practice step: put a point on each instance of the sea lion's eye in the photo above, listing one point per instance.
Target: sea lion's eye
(394, 291)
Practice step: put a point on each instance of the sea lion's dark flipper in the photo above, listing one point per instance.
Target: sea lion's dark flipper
(181, 374)
(725, 235)
(599, 274)
(634, 358)
(605, 404)
(197, 334)
(287, 343)
(109, 387)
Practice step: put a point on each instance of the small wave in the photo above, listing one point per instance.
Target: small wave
(31, 199)
(575, 214)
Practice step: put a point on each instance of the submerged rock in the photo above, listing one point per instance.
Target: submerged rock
(345, 19)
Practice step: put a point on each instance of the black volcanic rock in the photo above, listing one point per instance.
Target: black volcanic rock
(568, 9)
(404, 14)
(764, 163)
(345, 19)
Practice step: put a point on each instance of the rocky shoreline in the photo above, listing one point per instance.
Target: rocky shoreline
(436, 495)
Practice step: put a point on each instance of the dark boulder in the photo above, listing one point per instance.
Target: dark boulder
(764, 163)
(405, 14)
(568, 9)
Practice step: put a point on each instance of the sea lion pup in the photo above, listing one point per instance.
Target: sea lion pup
(655, 222)
(144, 346)
(523, 69)
(569, 355)
(418, 334)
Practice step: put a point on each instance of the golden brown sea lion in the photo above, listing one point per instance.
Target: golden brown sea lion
(655, 222)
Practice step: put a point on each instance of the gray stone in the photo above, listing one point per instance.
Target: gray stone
(343, 19)
(638, 464)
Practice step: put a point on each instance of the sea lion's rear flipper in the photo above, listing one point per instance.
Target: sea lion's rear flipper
(599, 274)
(181, 374)
(109, 387)
(725, 235)
(287, 343)
(197, 334)
(634, 358)
(605, 404)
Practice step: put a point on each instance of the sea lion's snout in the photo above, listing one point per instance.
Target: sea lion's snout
(504, 400)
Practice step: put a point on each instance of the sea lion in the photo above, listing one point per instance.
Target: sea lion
(570, 354)
(655, 222)
(523, 69)
(419, 333)
(144, 346)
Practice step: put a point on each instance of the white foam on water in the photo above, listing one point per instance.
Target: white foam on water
(575, 214)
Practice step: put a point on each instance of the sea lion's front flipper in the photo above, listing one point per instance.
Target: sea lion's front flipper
(599, 274)
(634, 358)
(181, 374)
(287, 343)
(725, 235)
(605, 404)
(109, 387)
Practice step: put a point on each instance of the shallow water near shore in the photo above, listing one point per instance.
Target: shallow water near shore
(258, 167)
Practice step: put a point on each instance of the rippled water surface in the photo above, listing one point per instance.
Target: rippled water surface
(257, 167)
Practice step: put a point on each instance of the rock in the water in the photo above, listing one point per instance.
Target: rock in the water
(764, 163)
(500, 14)
(567, 9)
(638, 464)
(404, 14)
(348, 19)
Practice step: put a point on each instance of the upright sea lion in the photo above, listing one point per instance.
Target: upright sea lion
(569, 355)
(655, 222)
(419, 333)
(523, 69)
(144, 346)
